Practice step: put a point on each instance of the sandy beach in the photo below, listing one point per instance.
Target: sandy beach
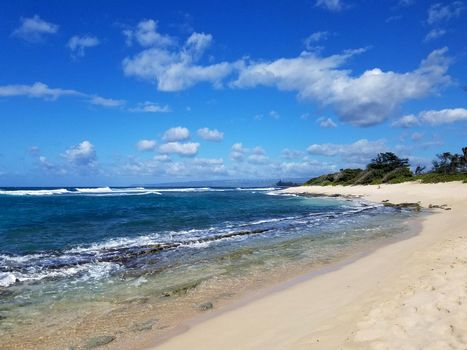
(411, 294)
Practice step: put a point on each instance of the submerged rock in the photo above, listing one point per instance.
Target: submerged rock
(412, 206)
(205, 306)
(100, 340)
(144, 326)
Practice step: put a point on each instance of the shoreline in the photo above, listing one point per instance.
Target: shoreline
(336, 308)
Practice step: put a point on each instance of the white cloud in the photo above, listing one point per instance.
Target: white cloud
(162, 158)
(303, 168)
(188, 149)
(358, 152)
(258, 159)
(176, 134)
(34, 29)
(176, 68)
(81, 155)
(435, 34)
(150, 107)
(41, 90)
(317, 36)
(326, 122)
(256, 155)
(146, 145)
(291, 154)
(314, 38)
(444, 116)
(146, 35)
(406, 121)
(440, 12)
(210, 134)
(237, 152)
(78, 44)
(363, 100)
(432, 117)
(331, 5)
(106, 102)
(38, 90)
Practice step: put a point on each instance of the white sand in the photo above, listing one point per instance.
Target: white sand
(408, 295)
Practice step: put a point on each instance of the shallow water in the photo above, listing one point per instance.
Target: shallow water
(79, 263)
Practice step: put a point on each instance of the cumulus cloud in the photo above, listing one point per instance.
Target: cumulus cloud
(237, 152)
(146, 34)
(81, 155)
(176, 68)
(78, 44)
(162, 158)
(406, 121)
(363, 100)
(326, 122)
(256, 155)
(444, 116)
(357, 153)
(188, 149)
(210, 134)
(146, 145)
(34, 29)
(149, 107)
(258, 159)
(291, 154)
(432, 117)
(176, 134)
(435, 34)
(331, 5)
(162, 166)
(442, 12)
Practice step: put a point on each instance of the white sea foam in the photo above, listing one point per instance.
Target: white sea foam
(87, 272)
(94, 190)
(7, 279)
(43, 192)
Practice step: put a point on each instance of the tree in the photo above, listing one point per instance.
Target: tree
(448, 163)
(420, 169)
(387, 162)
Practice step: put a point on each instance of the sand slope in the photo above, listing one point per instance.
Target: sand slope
(408, 295)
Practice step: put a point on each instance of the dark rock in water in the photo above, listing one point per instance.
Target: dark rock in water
(182, 289)
(100, 340)
(135, 300)
(144, 326)
(412, 206)
(205, 306)
(4, 315)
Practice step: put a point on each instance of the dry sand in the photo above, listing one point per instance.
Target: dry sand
(411, 294)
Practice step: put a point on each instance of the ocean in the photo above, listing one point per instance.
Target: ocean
(128, 263)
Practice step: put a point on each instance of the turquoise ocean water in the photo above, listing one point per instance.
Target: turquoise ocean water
(74, 254)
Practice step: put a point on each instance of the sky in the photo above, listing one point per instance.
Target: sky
(99, 93)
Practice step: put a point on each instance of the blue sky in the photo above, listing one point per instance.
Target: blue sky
(100, 93)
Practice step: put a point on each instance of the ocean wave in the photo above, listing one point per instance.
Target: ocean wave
(94, 190)
(119, 191)
(43, 192)
(86, 261)
(94, 270)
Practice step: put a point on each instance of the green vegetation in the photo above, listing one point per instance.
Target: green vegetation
(389, 168)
